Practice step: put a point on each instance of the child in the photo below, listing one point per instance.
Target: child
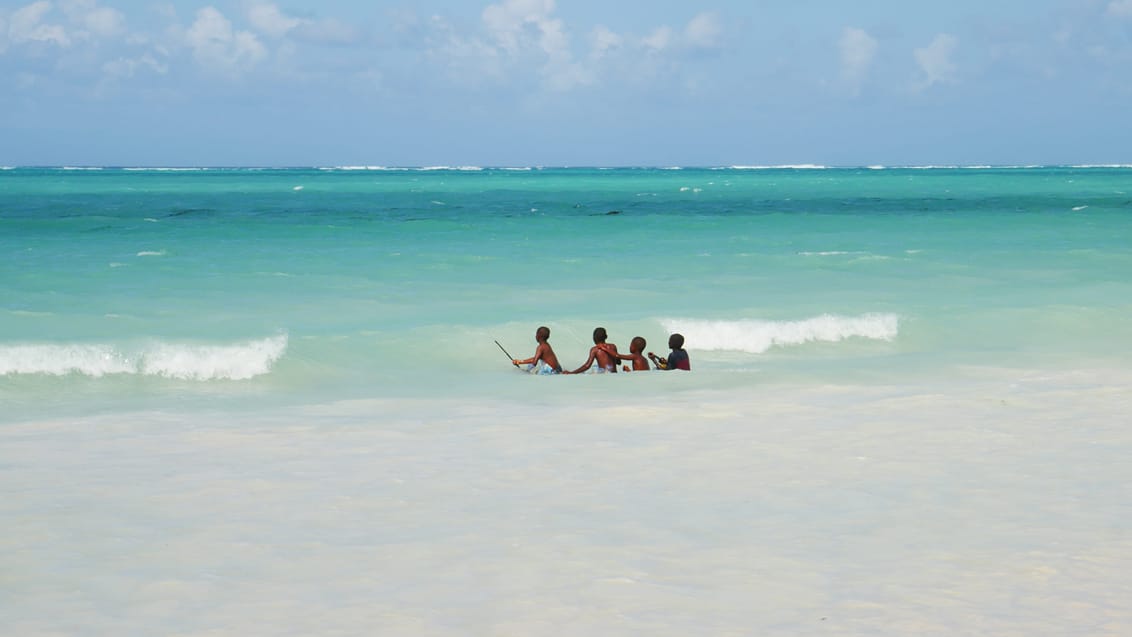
(544, 361)
(636, 349)
(602, 352)
(678, 359)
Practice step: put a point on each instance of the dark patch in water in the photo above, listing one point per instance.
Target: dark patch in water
(190, 211)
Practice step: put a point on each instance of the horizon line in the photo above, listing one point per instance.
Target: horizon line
(504, 167)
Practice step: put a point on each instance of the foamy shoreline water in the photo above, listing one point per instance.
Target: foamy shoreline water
(982, 508)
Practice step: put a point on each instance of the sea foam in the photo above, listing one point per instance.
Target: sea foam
(757, 336)
(167, 169)
(780, 167)
(234, 361)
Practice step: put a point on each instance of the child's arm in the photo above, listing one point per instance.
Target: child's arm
(586, 365)
(639, 361)
(623, 357)
(661, 363)
(611, 350)
(539, 351)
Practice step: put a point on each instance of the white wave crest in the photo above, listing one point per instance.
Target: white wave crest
(237, 361)
(165, 169)
(781, 167)
(757, 336)
(58, 360)
(211, 362)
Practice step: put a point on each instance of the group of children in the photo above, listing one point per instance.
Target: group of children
(605, 355)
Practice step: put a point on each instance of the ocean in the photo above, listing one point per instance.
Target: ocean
(270, 401)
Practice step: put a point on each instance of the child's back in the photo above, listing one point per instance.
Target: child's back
(545, 361)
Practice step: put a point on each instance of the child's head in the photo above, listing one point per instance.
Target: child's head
(637, 345)
(600, 335)
(542, 334)
(675, 341)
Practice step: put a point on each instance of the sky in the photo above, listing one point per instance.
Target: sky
(568, 83)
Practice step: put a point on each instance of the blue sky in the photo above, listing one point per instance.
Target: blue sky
(582, 82)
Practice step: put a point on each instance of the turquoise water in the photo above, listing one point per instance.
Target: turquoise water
(270, 402)
(121, 285)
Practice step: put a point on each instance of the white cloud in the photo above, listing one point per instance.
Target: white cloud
(128, 67)
(512, 23)
(703, 31)
(268, 19)
(26, 26)
(935, 61)
(1120, 8)
(328, 31)
(216, 45)
(105, 21)
(660, 39)
(468, 58)
(858, 49)
(526, 31)
(604, 42)
(525, 38)
(93, 20)
(516, 26)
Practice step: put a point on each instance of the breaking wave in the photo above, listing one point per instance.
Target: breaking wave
(756, 336)
(234, 361)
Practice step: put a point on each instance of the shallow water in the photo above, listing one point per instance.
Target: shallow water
(963, 509)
